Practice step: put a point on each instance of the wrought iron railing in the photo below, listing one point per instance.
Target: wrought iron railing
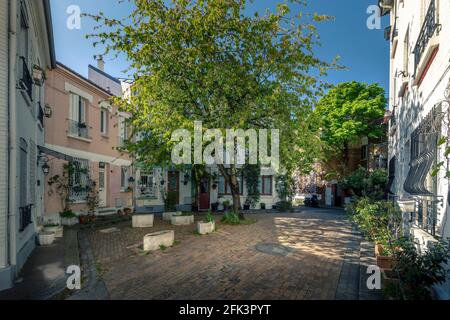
(79, 129)
(25, 217)
(426, 33)
(26, 79)
(40, 114)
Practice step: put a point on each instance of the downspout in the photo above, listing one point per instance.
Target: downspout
(12, 132)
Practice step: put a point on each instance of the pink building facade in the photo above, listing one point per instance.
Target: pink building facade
(85, 129)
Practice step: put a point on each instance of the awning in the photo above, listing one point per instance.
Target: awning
(55, 154)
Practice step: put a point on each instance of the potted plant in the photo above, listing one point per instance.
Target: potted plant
(247, 204)
(68, 218)
(214, 206)
(263, 206)
(226, 205)
(57, 229)
(420, 270)
(207, 225)
(46, 238)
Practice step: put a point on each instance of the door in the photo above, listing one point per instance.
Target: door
(173, 187)
(102, 187)
(203, 194)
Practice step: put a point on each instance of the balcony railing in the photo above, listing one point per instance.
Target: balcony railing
(26, 80)
(426, 33)
(78, 129)
(25, 217)
(40, 114)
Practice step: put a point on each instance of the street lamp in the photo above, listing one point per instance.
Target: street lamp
(45, 168)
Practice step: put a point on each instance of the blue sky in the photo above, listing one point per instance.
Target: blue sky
(363, 52)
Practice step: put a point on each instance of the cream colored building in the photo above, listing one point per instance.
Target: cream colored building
(419, 115)
(26, 50)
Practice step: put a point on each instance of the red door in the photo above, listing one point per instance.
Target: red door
(203, 195)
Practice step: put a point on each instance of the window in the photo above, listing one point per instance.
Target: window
(104, 121)
(406, 53)
(124, 175)
(78, 179)
(364, 152)
(224, 188)
(77, 116)
(265, 185)
(146, 184)
(23, 173)
(123, 130)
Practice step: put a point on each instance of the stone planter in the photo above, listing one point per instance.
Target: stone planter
(69, 221)
(178, 220)
(57, 230)
(142, 220)
(153, 241)
(168, 215)
(46, 238)
(206, 227)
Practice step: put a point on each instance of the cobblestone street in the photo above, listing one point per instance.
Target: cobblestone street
(313, 251)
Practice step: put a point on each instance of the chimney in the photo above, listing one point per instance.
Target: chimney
(101, 63)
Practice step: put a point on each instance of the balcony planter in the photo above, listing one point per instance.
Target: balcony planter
(46, 238)
(206, 227)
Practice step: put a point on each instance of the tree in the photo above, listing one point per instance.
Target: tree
(206, 61)
(348, 112)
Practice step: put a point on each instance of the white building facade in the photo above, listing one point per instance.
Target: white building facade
(26, 50)
(419, 116)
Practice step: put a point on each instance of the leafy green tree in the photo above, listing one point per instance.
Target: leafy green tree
(207, 61)
(348, 112)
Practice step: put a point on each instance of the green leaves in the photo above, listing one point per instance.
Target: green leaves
(206, 60)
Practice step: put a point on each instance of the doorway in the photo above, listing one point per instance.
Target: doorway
(102, 185)
(204, 194)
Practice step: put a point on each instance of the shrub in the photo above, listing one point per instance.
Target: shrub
(209, 217)
(364, 183)
(380, 221)
(420, 271)
(230, 218)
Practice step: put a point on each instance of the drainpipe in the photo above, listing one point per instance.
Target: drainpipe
(12, 132)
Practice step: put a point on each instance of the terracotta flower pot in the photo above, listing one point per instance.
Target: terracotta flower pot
(384, 261)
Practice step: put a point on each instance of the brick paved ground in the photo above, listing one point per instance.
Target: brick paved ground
(226, 264)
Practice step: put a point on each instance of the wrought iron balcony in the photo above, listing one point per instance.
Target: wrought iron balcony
(26, 81)
(426, 33)
(25, 217)
(78, 129)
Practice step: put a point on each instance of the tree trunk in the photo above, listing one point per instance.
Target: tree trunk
(231, 179)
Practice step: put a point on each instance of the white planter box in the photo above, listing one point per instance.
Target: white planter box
(69, 221)
(153, 241)
(142, 220)
(46, 238)
(177, 220)
(57, 230)
(206, 227)
(168, 215)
